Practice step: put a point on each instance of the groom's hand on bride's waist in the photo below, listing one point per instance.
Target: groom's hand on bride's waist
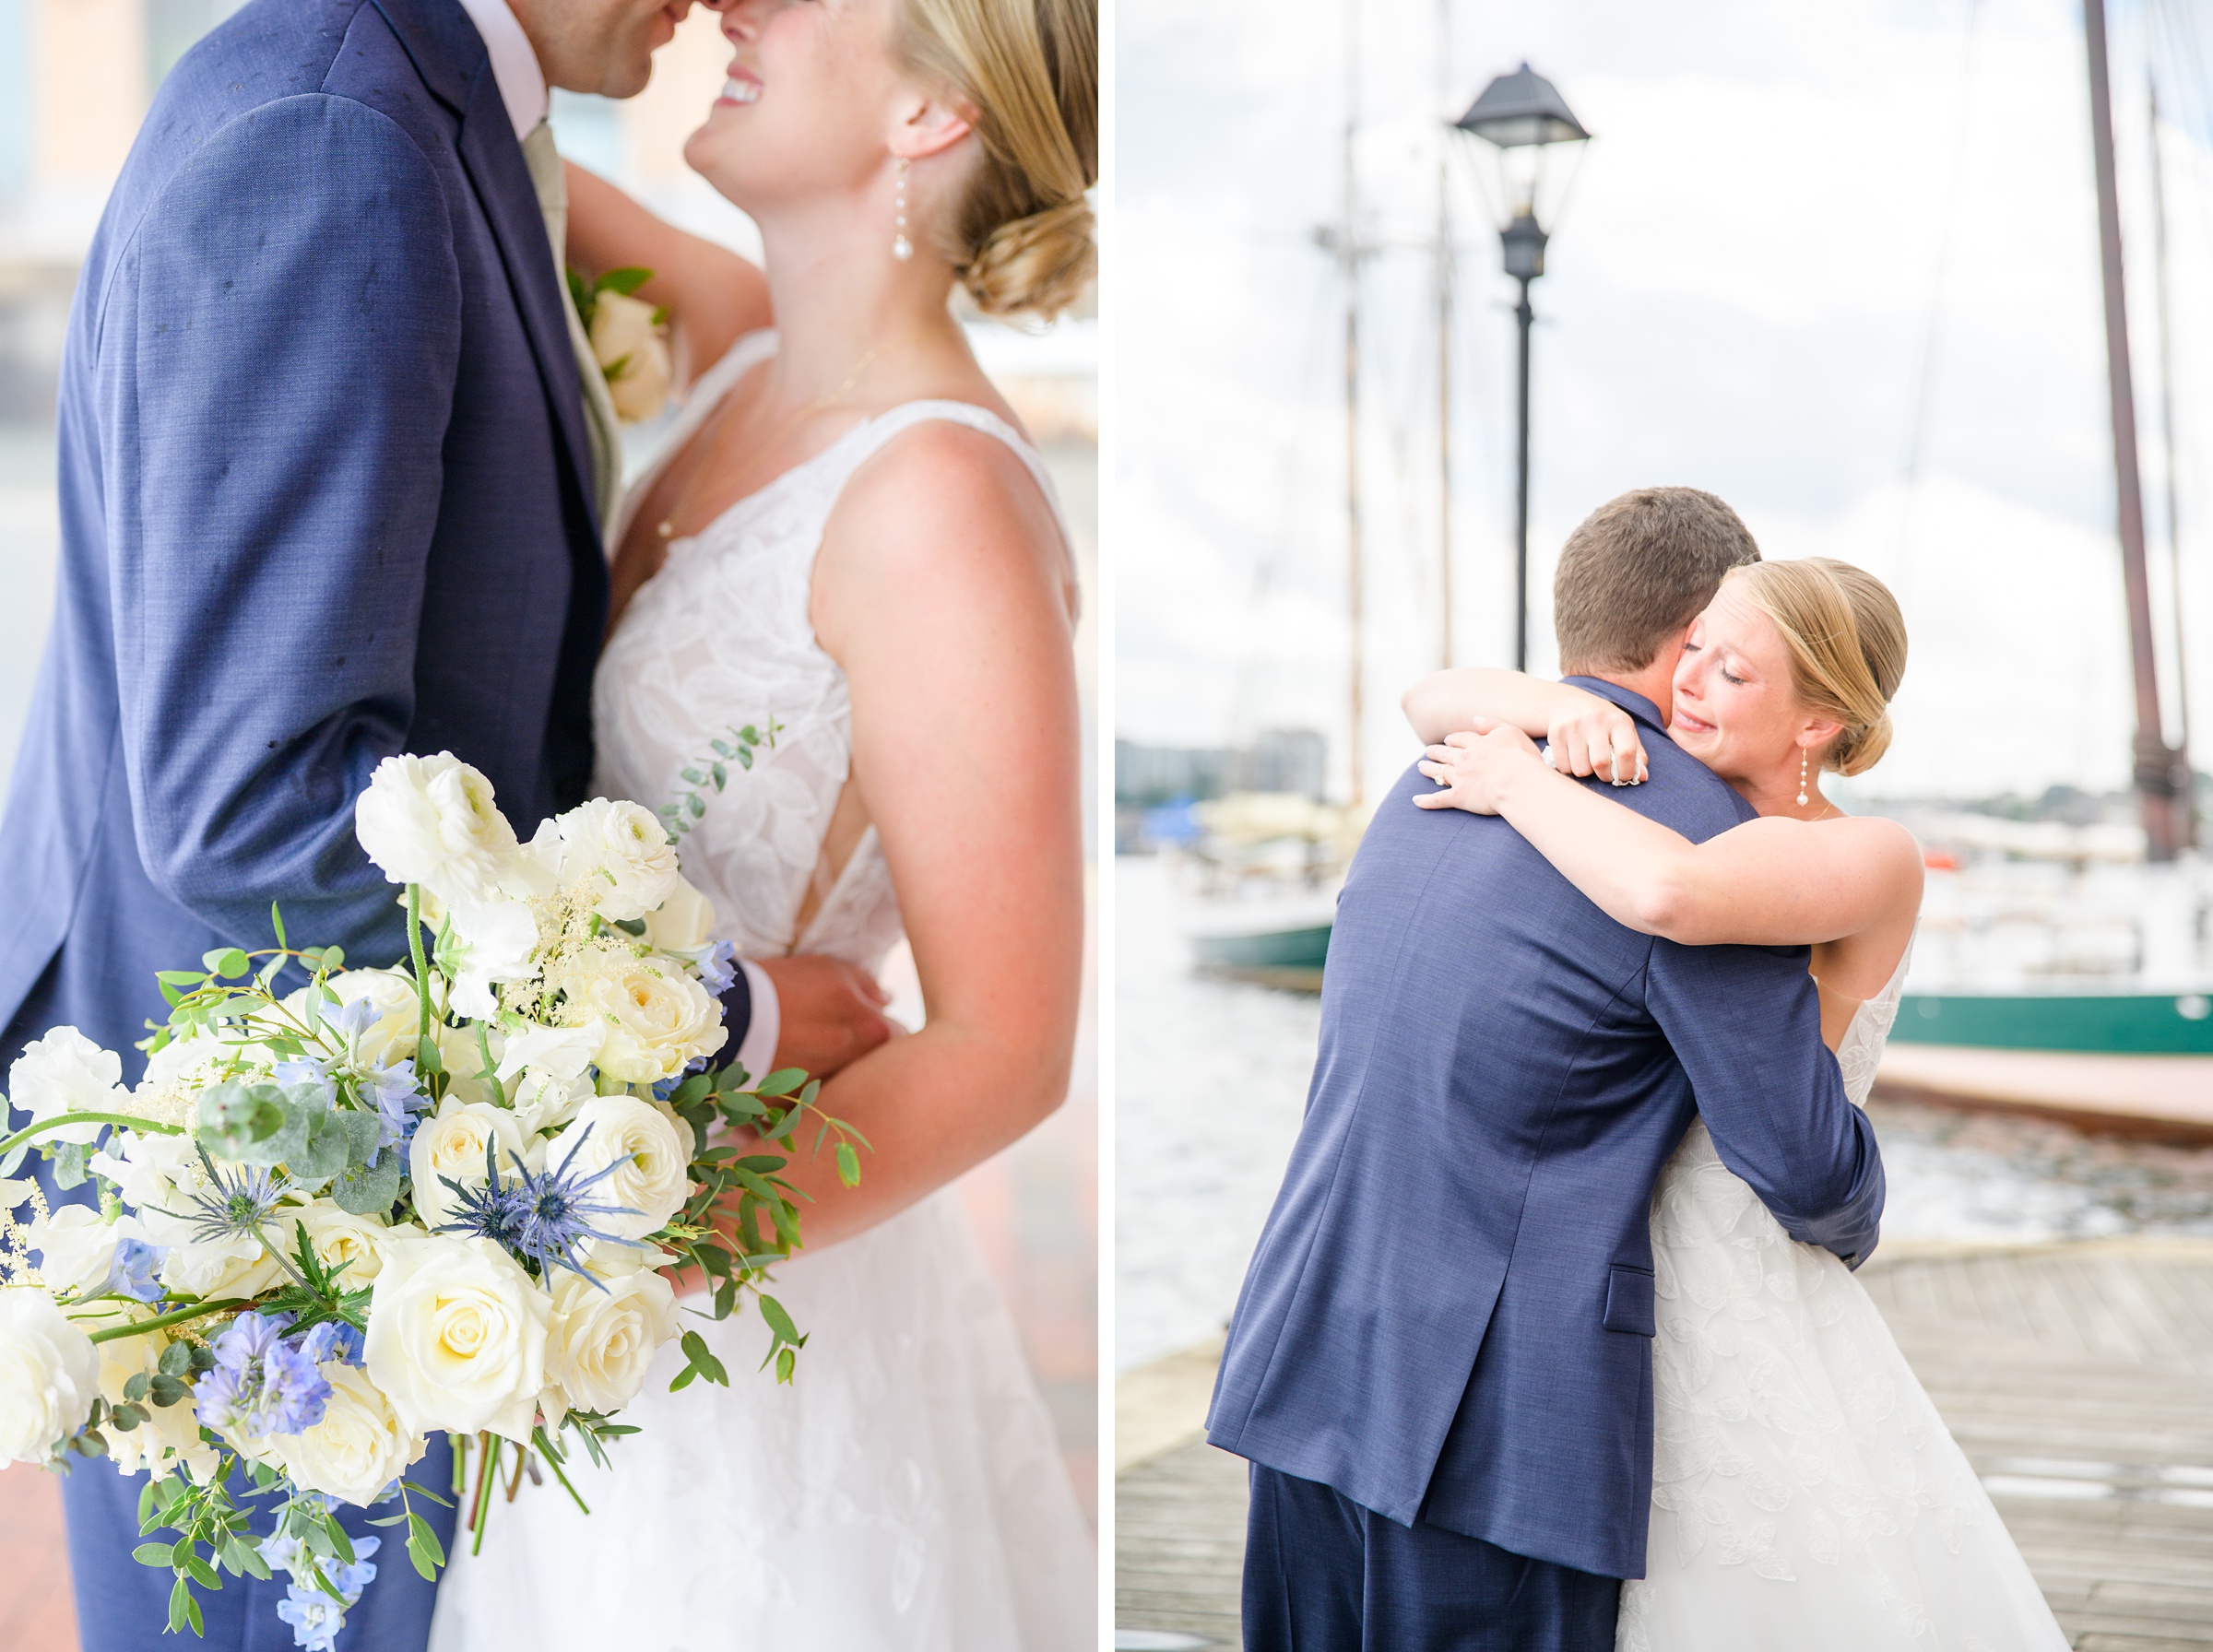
(830, 1013)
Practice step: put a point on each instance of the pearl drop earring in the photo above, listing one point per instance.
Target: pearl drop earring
(902, 248)
(1802, 779)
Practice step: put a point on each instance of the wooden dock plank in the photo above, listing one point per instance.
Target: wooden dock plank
(2084, 1366)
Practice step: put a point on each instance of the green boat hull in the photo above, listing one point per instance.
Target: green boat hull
(2117, 1024)
(2100, 1023)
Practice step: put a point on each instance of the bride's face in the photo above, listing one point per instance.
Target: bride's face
(813, 99)
(1737, 710)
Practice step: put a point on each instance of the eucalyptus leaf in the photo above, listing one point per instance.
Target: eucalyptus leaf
(362, 1132)
(69, 1160)
(235, 1116)
(369, 1189)
(328, 1148)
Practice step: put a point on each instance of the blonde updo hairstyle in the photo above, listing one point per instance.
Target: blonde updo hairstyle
(1019, 238)
(1847, 643)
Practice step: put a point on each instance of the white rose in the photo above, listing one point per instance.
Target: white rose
(545, 1103)
(657, 1019)
(170, 1434)
(76, 1246)
(358, 1448)
(433, 821)
(623, 331)
(452, 1146)
(333, 1236)
(652, 1161)
(395, 1032)
(603, 1338)
(683, 923)
(66, 1072)
(49, 1376)
(624, 850)
(457, 1335)
(492, 942)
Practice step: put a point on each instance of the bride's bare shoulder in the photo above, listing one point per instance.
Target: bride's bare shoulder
(942, 508)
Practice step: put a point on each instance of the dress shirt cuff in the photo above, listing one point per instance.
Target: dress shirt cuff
(763, 1023)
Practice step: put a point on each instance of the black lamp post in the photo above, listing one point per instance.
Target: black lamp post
(1522, 114)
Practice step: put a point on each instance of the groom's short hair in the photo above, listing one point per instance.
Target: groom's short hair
(1637, 571)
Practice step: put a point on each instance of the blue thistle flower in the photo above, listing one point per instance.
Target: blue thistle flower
(540, 1216)
(244, 1199)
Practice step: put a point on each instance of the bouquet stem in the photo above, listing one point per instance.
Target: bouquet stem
(422, 974)
(128, 1120)
(138, 1327)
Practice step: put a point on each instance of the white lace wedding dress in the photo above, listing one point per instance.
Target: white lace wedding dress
(906, 1492)
(1805, 1495)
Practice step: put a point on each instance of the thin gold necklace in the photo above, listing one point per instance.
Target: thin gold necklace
(666, 528)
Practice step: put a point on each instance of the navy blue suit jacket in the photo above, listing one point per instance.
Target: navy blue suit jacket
(325, 496)
(1449, 1313)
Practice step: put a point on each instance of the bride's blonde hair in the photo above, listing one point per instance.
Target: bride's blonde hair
(1847, 641)
(1020, 238)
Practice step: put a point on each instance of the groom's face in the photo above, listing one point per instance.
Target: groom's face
(602, 46)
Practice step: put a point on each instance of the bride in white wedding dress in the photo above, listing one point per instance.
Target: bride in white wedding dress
(1805, 1493)
(852, 541)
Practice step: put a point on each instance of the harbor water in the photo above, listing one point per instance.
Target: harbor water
(1211, 1078)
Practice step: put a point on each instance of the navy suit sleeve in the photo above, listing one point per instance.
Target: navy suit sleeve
(277, 359)
(1745, 1022)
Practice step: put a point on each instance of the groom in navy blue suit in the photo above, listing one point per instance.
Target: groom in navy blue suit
(331, 486)
(1441, 1365)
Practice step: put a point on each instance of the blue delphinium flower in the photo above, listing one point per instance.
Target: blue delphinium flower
(351, 1021)
(131, 1273)
(391, 1089)
(717, 970)
(262, 1384)
(314, 1617)
(301, 1070)
(540, 1216)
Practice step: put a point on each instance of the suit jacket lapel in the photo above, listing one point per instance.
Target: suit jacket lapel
(449, 54)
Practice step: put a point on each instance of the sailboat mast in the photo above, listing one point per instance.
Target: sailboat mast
(1349, 252)
(2187, 822)
(2154, 763)
(1444, 345)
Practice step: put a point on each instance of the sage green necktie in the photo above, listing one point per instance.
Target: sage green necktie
(553, 188)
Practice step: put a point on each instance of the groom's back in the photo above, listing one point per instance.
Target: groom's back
(1491, 1106)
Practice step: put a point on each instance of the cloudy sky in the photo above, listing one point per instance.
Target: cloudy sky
(1786, 208)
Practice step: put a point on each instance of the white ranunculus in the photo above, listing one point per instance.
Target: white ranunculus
(628, 344)
(603, 1338)
(561, 1052)
(49, 1376)
(624, 850)
(543, 1101)
(76, 1246)
(358, 1448)
(433, 821)
(451, 1146)
(657, 1019)
(66, 1072)
(684, 921)
(492, 942)
(651, 1160)
(237, 1267)
(337, 1235)
(457, 1335)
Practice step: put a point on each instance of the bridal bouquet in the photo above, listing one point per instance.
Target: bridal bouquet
(391, 1201)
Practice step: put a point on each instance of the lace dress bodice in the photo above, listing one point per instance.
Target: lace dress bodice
(1859, 1051)
(721, 638)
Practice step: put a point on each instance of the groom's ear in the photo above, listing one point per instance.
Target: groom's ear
(931, 123)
